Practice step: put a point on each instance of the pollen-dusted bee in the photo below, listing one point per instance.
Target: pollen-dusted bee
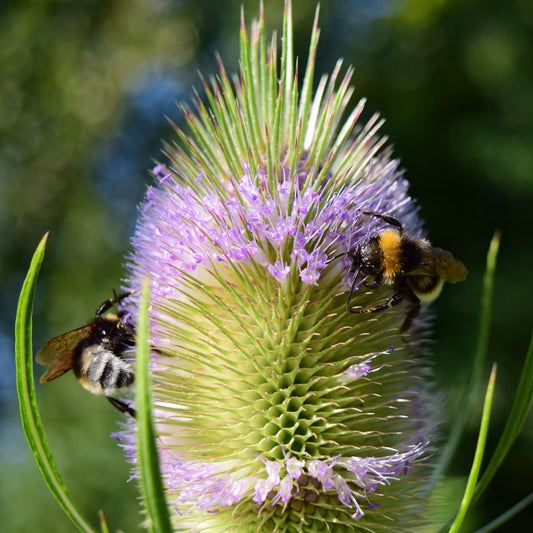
(411, 266)
(95, 353)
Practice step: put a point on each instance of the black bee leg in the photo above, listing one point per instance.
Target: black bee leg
(121, 406)
(338, 256)
(355, 271)
(108, 304)
(373, 284)
(386, 218)
(391, 302)
(411, 315)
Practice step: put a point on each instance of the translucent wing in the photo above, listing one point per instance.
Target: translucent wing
(57, 353)
(448, 267)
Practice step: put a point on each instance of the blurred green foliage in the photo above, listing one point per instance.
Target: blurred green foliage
(84, 88)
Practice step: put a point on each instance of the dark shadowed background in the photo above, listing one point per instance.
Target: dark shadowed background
(84, 89)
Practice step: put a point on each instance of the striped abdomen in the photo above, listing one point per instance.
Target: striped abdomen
(100, 371)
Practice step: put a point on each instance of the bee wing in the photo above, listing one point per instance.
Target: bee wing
(448, 267)
(57, 353)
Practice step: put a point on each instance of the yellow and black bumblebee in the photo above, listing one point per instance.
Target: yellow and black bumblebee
(95, 353)
(410, 265)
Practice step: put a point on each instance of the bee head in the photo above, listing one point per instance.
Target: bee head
(103, 326)
(381, 255)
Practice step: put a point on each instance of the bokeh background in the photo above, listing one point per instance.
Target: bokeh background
(84, 90)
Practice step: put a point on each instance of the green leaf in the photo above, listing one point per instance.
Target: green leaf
(103, 522)
(515, 421)
(151, 484)
(471, 390)
(31, 420)
(478, 456)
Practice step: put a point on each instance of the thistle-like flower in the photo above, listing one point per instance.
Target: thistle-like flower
(277, 410)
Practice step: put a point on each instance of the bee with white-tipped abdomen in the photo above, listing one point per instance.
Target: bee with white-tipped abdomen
(95, 353)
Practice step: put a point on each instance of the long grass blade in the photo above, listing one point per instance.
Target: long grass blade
(478, 456)
(472, 388)
(515, 421)
(29, 412)
(151, 484)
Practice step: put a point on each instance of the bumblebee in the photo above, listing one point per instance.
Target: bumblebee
(411, 266)
(95, 353)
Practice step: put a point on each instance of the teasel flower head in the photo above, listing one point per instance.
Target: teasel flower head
(277, 410)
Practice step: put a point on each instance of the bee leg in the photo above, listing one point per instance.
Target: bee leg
(373, 284)
(386, 218)
(338, 256)
(355, 271)
(391, 302)
(378, 281)
(121, 406)
(411, 315)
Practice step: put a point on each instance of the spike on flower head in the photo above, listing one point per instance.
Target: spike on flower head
(276, 409)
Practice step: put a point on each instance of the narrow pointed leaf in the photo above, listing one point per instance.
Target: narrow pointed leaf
(151, 485)
(29, 412)
(478, 457)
